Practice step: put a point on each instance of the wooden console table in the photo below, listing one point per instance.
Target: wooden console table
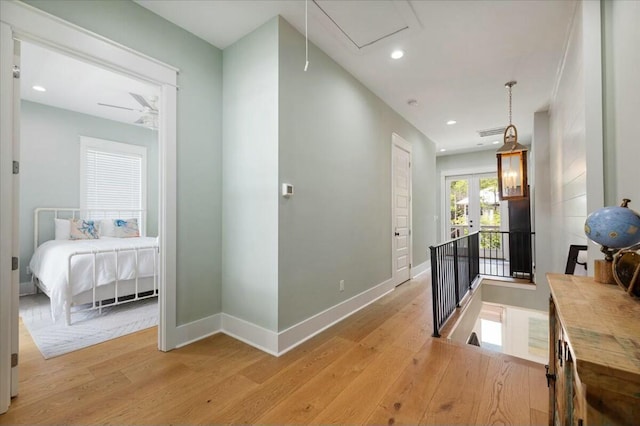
(594, 353)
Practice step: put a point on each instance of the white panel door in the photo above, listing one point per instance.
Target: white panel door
(401, 192)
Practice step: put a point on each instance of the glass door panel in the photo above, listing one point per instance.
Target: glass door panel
(473, 204)
(458, 196)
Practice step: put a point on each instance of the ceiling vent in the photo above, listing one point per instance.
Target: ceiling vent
(491, 132)
(362, 25)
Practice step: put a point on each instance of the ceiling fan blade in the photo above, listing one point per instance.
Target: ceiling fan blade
(142, 101)
(115, 106)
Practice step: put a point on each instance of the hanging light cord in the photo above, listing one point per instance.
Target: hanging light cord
(510, 86)
(306, 35)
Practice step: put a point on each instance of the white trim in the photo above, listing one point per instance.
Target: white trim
(198, 330)
(6, 212)
(272, 342)
(30, 23)
(421, 269)
(251, 334)
(306, 329)
(40, 27)
(400, 142)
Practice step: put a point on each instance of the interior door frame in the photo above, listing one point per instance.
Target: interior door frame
(400, 142)
(27, 23)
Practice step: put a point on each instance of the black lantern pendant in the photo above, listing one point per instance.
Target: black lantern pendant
(512, 163)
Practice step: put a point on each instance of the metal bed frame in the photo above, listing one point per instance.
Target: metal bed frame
(116, 292)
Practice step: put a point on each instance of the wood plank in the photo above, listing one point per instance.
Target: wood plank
(505, 394)
(361, 370)
(56, 406)
(274, 390)
(307, 402)
(356, 402)
(456, 401)
(539, 418)
(538, 390)
(407, 399)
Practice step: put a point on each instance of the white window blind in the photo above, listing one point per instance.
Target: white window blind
(113, 177)
(114, 181)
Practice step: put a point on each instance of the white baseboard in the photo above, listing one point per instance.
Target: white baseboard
(421, 268)
(270, 341)
(198, 330)
(306, 329)
(251, 334)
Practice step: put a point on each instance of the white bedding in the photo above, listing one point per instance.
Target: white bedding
(50, 263)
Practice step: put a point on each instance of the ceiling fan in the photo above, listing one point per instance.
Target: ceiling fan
(149, 117)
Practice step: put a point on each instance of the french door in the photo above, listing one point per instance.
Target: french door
(473, 205)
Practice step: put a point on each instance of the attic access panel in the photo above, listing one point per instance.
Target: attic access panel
(363, 24)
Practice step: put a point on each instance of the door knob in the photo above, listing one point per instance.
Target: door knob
(397, 234)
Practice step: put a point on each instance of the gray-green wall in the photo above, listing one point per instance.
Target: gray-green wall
(199, 141)
(50, 163)
(335, 148)
(250, 178)
(329, 136)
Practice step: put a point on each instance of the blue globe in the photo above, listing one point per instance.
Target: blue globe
(613, 227)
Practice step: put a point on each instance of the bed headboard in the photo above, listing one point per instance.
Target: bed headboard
(43, 218)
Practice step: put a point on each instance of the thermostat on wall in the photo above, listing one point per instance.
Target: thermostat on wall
(287, 190)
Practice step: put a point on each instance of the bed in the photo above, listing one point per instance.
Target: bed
(90, 273)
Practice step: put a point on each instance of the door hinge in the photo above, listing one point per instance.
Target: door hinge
(14, 360)
(16, 167)
(16, 71)
(15, 263)
(409, 231)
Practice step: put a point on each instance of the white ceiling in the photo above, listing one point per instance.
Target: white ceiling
(78, 86)
(458, 55)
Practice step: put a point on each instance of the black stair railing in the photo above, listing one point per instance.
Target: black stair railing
(455, 265)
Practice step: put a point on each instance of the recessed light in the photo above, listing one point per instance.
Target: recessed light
(450, 122)
(397, 54)
(39, 89)
(495, 142)
(442, 149)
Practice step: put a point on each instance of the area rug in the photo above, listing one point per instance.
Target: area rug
(87, 328)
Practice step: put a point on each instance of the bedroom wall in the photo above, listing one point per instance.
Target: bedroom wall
(50, 163)
(250, 178)
(199, 136)
(335, 148)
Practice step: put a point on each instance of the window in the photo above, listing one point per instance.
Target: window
(113, 177)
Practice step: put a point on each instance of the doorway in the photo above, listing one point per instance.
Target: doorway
(401, 209)
(21, 23)
(472, 204)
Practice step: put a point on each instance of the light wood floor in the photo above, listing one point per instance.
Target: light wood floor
(380, 366)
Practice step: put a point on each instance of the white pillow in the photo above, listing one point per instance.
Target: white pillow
(107, 228)
(63, 229)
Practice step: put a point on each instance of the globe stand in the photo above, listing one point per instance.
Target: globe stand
(604, 267)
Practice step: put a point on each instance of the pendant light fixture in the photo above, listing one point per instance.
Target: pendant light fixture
(512, 162)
